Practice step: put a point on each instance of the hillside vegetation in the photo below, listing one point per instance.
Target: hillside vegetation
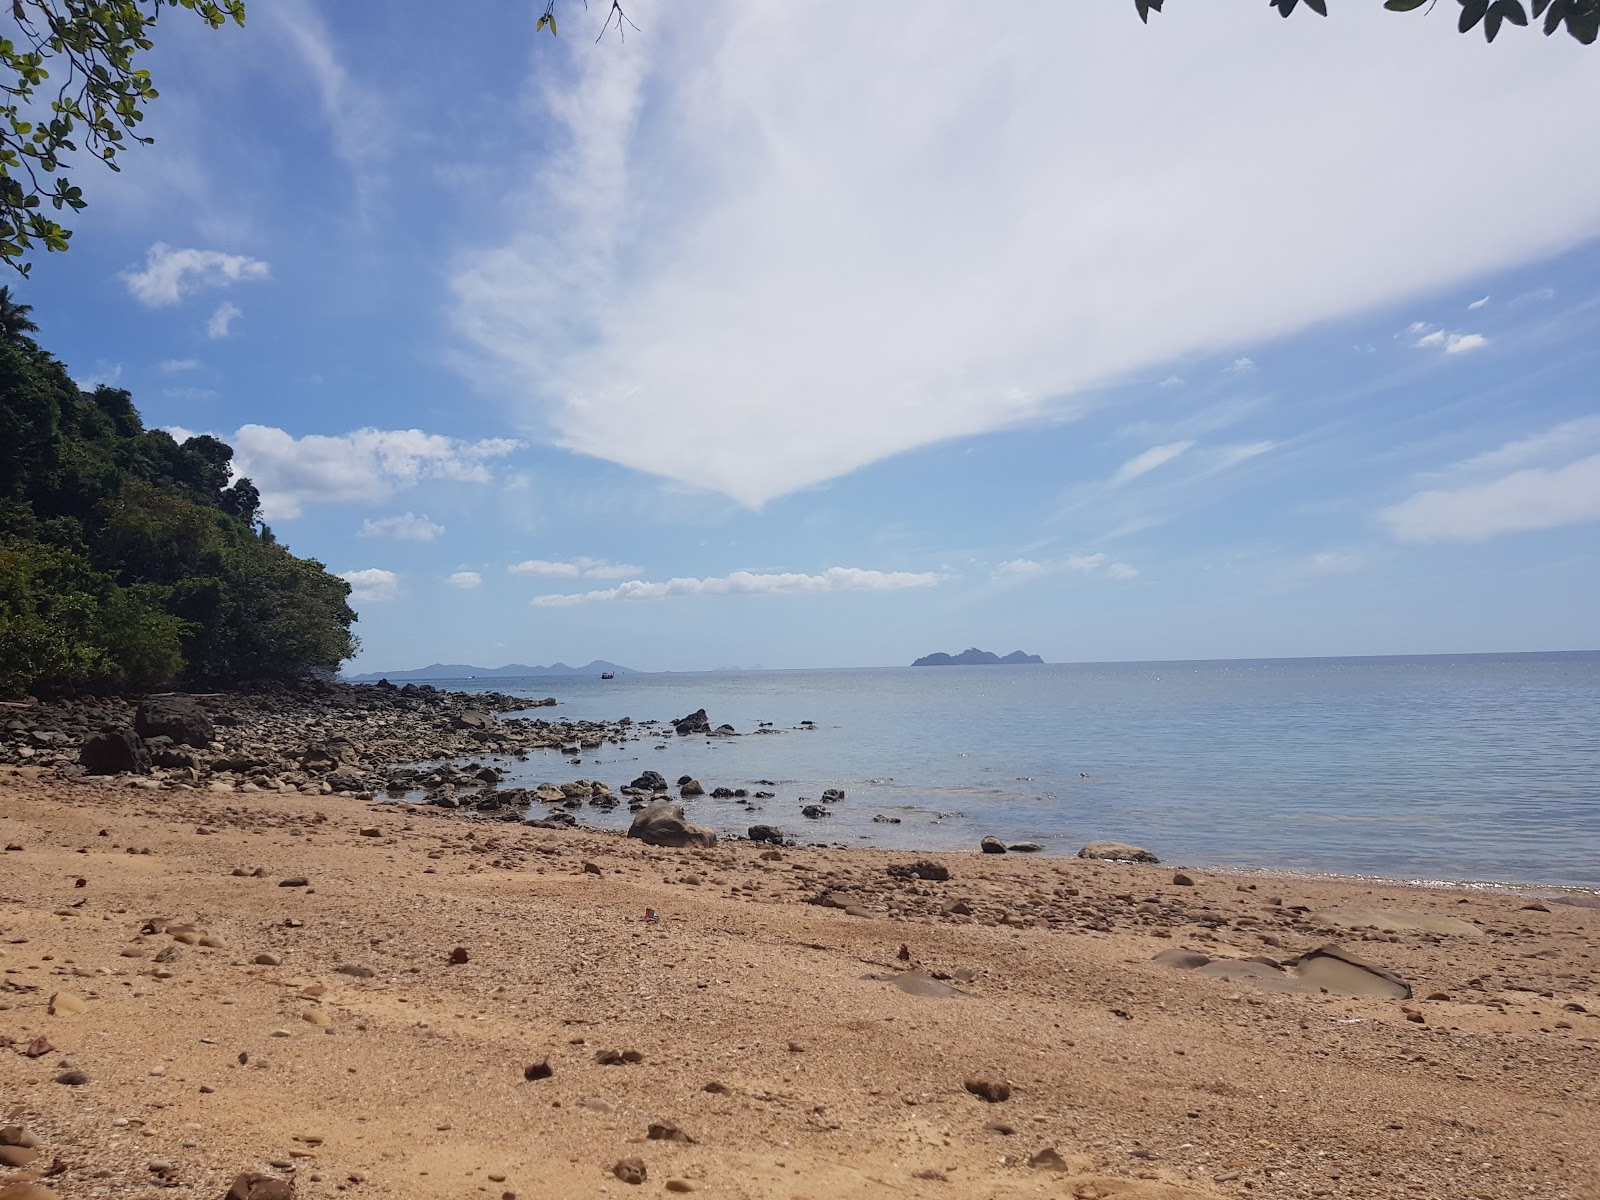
(127, 559)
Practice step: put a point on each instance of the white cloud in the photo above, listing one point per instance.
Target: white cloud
(1477, 304)
(1232, 456)
(750, 583)
(1143, 464)
(372, 586)
(701, 285)
(466, 580)
(1240, 366)
(366, 465)
(1450, 343)
(407, 528)
(221, 323)
(104, 375)
(1529, 499)
(579, 568)
(355, 115)
(173, 366)
(1562, 442)
(1019, 570)
(170, 274)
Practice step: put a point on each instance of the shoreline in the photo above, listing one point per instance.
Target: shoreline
(349, 994)
(341, 738)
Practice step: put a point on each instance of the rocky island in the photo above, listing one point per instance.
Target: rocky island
(973, 657)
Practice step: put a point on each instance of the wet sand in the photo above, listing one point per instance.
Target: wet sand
(404, 1076)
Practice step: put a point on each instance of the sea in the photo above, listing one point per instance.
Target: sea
(1481, 768)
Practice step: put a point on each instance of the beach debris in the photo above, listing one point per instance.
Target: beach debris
(1117, 852)
(651, 917)
(631, 1170)
(990, 1091)
(1328, 969)
(992, 845)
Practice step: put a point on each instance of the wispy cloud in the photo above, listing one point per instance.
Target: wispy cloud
(749, 583)
(675, 296)
(173, 366)
(1143, 464)
(1240, 366)
(1477, 304)
(354, 113)
(1019, 570)
(1552, 479)
(1450, 342)
(170, 274)
(408, 527)
(578, 568)
(221, 323)
(372, 586)
(466, 580)
(364, 465)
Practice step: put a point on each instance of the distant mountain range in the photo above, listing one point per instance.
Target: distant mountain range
(973, 657)
(465, 671)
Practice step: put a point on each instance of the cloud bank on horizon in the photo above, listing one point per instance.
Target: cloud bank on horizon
(770, 250)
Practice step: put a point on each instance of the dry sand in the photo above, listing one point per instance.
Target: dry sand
(1149, 1082)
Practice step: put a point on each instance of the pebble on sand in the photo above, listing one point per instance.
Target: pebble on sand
(992, 1091)
(630, 1170)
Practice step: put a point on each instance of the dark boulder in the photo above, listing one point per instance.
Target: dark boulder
(814, 811)
(695, 722)
(177, 717)
(113, 752)
(765, 833)
(992, 845)
(650, 781)
(832, 796)
(923, 868)
(690, 787)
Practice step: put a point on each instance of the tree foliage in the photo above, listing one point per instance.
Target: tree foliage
(127, 558)
(71, 82)
(1580, 18)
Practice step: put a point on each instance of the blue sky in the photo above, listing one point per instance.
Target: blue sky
(765, 339)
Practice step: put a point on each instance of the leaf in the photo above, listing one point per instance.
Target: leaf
(1491, 23)
(543, 21)
(552, 26)
(1320, 7)
(1512, 10)
(1539, 6)
(1284, 7)
(1144, 10)
(1472, 11)
(1408, 5)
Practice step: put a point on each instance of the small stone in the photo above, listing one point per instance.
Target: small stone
(1179, 879)
(72, 1078)
(158, 1072)
(668, 1131)
(679, 1185)
(458, 955)
(538, 1070)
(295, 881)
(630, 1170)
(206, 1089)
(355, 971)
(371, 831)
(17, 1135)
(717, 1089)
(17, 1156)
(590, 868)
(267, 960)
(991, 1091)
(280, 1033)
(1001, 1127)
(65, 1004)
(252, 1185)
(1048, 1159)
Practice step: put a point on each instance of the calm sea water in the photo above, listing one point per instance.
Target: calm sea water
(1461, 767)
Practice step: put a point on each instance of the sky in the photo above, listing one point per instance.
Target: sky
(764, 337)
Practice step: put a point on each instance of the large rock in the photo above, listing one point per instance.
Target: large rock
(695, 722)
(1117, 852)
(663, 824)
(992, 845)
(177, 717)
(113, 752)
(765, 833)
(650, 781)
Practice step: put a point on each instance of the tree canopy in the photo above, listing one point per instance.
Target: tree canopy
(1580, 18)
(127, 558)
(83, 57)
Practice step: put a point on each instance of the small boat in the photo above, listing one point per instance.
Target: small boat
(608, 675)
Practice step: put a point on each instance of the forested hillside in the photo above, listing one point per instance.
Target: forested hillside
(127, 559)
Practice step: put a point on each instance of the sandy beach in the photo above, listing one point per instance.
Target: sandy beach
(265, 983)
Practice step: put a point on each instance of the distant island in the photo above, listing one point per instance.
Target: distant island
(464, 671)
(973, 657)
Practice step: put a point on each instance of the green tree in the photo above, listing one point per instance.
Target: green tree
(1580, 18)
(82, 58)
